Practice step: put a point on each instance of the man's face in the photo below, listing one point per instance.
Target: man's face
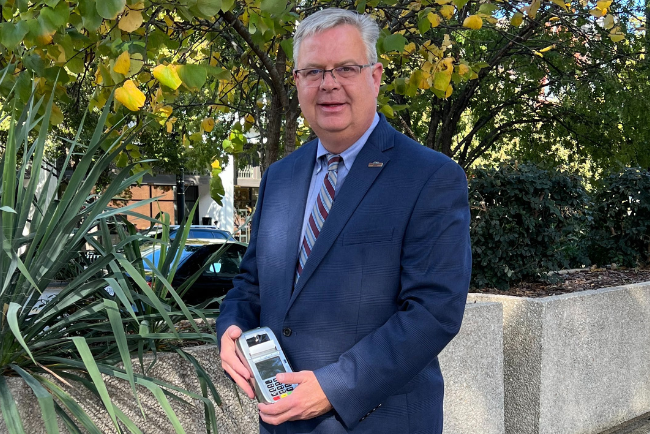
(338, 113)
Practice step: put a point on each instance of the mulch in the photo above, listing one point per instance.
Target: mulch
(574, 281)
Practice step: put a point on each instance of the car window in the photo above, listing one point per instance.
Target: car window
(200, 233)
(153, 255)
(227, 264)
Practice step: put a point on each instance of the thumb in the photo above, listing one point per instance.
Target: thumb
(234, 332)
(291, 377)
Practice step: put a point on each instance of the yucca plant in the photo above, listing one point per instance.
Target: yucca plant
(84, 331)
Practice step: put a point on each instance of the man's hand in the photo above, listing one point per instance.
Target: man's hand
(305, 402)
(231, 363)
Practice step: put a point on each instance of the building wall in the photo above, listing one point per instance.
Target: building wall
(223, 216)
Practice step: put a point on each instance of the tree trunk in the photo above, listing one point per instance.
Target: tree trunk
(274, 128)
(291, 127)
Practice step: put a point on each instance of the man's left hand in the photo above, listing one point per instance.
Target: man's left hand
(305, 402)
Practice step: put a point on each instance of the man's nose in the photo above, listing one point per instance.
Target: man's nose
(329, 80)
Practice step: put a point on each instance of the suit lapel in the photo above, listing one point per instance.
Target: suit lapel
(366, 168)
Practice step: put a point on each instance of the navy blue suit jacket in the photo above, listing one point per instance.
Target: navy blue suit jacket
(382, 292)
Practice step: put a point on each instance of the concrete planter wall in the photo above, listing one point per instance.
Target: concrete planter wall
(576, 363)
(472, 365)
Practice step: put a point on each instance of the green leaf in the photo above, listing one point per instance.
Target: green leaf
(424, 25)
(7, 209)
(488, 8)
(460, 3)
(35, 63)
(216, 187)
(206, 8)
(110, 9)
(89, 15)
(287, 47)
(93, 371)
(395, 42)
(441, 81)
(9, 409)
(192, 76)
(227, 5)
(273, 7)
(120, 338)
(12, 34)
(53, 18)
(45, 400)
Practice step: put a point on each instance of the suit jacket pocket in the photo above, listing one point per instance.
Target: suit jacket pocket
(368, 236)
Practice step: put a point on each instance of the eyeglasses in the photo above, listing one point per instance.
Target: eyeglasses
(342, 74)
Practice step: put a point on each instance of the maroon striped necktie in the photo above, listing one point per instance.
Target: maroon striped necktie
(320, 211)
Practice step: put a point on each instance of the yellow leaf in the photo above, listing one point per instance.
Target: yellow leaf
(596, 13)
(409, 48)
(434, 19)
(448, 63)
(122, 63)
(534, 7)
(249, 119)
(167, 75)
(130, 96)
(544, 50)
(449, 90)
(207, 124)
(56, 116)
(170, 124)
(517, 19)
(463, 69)
(608, 23)
(616, 35)
(131, 21)
(491, 20)
(443, 2)
(554, 19)
(168, 21)
(447, 11)
(473, 22)
(98, 77)
(603, 4)
(165, 110)
(216, 165)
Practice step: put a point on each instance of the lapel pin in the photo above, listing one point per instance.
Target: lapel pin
(376, 164)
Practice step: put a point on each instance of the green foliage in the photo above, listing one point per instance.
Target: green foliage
(85, 330)
(526, 221)
(621, 226)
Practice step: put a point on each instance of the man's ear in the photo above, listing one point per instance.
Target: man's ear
(377, 71)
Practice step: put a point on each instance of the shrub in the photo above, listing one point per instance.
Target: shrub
(621, 227)
(526, 221)
(85, 329)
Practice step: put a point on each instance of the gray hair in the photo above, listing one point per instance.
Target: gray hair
(329, 18)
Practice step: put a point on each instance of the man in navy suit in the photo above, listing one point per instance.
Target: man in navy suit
(359, 259)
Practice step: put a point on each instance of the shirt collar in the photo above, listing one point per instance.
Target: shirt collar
(350, 154)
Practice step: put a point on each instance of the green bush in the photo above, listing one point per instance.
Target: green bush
(526, 221)
(621, 227)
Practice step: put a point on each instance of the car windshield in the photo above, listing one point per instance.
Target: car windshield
(153, 255)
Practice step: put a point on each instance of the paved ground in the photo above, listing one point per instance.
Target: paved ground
(640, 425)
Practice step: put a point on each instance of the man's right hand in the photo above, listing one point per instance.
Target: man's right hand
(231, 363)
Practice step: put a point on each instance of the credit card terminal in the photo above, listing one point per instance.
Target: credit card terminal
(261, 351)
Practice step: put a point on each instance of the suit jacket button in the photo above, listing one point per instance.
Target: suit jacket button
(286, 331)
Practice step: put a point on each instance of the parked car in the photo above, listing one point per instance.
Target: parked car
(197, 232)
(216, 280)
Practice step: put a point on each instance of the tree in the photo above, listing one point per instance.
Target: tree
(461, 76)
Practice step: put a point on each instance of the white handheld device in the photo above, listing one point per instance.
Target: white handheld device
(261, 352)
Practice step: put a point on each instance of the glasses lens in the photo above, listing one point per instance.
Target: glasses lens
(347, 71)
